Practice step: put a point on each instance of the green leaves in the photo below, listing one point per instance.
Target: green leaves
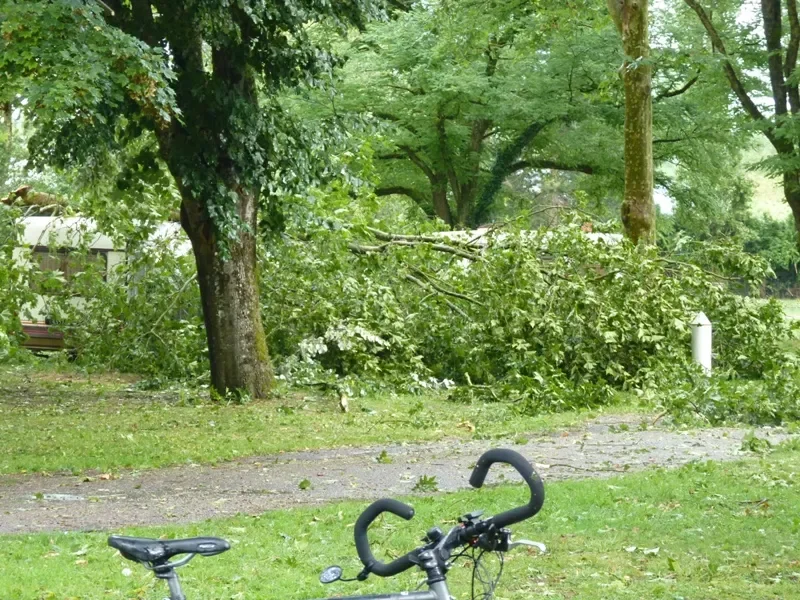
(79, 78)
(15, 279)
(546, 320)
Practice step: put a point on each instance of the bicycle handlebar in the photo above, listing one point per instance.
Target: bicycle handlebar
(504, 519)
(373, 511)
(524, 468)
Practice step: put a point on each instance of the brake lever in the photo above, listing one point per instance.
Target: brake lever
(527, 544)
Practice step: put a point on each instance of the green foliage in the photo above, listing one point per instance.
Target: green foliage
(207, 85)
(78, 76)
(753, 443)
(426, 483)
(145, 318)
(548, 320)
(474, 101)
(776, 242)
(773, 399)
(15, 291)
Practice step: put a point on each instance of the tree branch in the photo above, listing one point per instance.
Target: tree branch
(430, 281)
(400, 190)
(679, 263)
(549, 164)
(771, 12)
(106, 7)
(26, 197)
(394, 119)
(669, 140)
(790, 63)
(425, 286)
(500, 170)
(681, 90)
(390, 237)
(421, 164)
(452, 178)
(730, 72)
(369, 249)
(414, 91)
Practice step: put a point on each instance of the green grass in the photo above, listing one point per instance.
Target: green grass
(67, 422)
(721, 531)
(768, 198)
(791, 308)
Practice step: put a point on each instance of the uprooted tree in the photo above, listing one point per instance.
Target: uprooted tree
(201, 79)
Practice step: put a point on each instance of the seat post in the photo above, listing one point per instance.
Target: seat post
(175, 591)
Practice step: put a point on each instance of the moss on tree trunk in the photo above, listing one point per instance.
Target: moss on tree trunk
(638, 208)
(229, 290)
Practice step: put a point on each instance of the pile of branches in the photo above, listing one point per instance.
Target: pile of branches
(547, 320)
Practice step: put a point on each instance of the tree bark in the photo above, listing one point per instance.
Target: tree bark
(228, 280)
(440, 205)
(791, 191)
(638, 208)
(8, 121)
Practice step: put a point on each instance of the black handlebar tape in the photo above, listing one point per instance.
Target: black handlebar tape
(372, 512)
(521, 464)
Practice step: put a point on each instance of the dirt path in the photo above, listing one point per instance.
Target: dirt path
(30, 503)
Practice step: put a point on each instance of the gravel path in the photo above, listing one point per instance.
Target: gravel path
(32, 503)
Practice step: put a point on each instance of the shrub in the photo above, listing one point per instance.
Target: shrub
(144, 319)
(15, 291)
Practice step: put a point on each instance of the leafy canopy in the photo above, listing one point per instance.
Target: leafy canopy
(203, 76)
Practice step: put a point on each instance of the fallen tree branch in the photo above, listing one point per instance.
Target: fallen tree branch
(432, 239)
(679, 263)
(428, 279)
(412, 241)
(362, 249)
(169, 308)
(426, 287)
(26, 197)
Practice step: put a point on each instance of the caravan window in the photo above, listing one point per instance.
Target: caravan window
(69, 262)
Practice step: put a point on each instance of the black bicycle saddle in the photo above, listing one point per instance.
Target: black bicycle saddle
(158, 551)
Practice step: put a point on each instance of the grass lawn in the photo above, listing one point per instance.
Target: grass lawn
(68, 422)
(791, 308)
(704, 531)
(768, 196)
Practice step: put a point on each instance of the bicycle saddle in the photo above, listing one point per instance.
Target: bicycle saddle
(158, 551)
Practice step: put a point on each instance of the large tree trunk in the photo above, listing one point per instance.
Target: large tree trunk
(638, 208)
(228, 279)
(440, 205)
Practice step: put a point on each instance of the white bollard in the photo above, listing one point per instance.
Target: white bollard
(701, 342)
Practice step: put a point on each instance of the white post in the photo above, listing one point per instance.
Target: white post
(701, 342)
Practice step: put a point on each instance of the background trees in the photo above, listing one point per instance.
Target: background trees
(466, 98)
(760, 65)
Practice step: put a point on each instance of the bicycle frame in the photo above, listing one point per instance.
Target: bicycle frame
(437, 584)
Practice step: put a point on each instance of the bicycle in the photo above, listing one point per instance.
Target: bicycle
(435, 558)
